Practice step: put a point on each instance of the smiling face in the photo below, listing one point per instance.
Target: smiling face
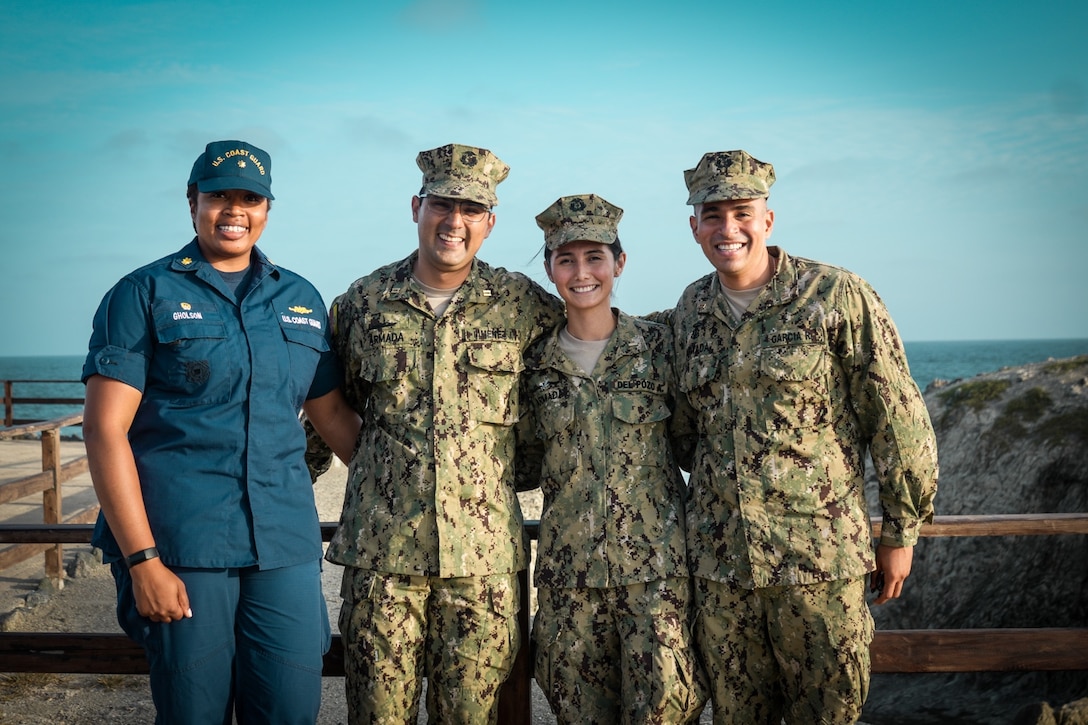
(228, 224)
(733, 234)
(583, 273)
(447, 241)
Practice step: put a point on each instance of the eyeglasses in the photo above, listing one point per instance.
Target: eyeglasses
(471, 211)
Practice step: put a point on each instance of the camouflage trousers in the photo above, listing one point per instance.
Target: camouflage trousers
(793, 653)
(618, 655)
(461, 634)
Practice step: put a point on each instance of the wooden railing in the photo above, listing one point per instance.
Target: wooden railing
(50, 484)
(10, 401)
(893, 651)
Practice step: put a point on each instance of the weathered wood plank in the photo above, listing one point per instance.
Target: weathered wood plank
(37, 482)
(15, 554)
(1001, 525)
(980, 650)
(98, 653)
(22, 430)
(26, 486)
(893, 651)
(1004, 525)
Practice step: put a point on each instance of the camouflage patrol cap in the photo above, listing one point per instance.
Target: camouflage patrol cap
(461, 172)
(722, 175)
(582, 217)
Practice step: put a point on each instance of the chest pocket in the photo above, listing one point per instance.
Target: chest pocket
(796, 393)
(701, 373)
(388, 364)
(492, 371)
(315, 341)
(193, 364)
(553, 413)
(639, 432)
(703, 380)
(305, 344)
(553, 409)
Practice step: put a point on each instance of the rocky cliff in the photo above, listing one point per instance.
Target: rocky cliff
(1012, 441)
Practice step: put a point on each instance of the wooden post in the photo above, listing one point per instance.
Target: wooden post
(51, 502)
(9, 415)
(515, 698)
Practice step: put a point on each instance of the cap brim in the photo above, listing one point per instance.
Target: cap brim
(726, 193)
(223, 183)
(453, 190)
(580, 233)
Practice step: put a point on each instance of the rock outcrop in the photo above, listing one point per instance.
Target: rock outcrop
(1012, 441)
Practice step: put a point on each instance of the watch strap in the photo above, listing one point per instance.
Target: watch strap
(141, 556)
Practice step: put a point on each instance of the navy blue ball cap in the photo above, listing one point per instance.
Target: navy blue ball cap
(233, 165)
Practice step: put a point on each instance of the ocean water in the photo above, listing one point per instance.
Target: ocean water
(46, 368)
(929, 361)
(953, 360)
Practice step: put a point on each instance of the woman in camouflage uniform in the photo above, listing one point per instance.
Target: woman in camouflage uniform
(612, 636)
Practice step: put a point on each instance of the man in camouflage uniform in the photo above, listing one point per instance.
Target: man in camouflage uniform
(431, 532)
(793, 370)
(612, 632)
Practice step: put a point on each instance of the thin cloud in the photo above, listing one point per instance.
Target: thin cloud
(441, 15)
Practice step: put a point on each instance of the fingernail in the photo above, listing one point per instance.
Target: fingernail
(189, 613)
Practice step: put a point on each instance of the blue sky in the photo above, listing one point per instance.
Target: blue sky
(939, 149)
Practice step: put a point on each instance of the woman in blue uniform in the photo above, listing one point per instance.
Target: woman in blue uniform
(197, 368)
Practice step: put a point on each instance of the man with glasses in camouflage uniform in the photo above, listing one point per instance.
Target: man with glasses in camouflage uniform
(431, 533)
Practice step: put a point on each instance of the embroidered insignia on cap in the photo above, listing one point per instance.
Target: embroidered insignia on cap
(241, 164)
(300, 309)
(186, 306)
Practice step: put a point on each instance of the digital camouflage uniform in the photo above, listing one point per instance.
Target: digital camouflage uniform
(781, 405)
(431, 490)
(612, 630)
(784, 405)
(612, 633)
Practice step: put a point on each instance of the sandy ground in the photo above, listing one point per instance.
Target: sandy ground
(86, 604)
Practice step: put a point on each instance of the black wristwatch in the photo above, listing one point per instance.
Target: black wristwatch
(141, 556)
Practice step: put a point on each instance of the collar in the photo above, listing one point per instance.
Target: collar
(478, 287)
(626, 341)
(780, 289)
(189, 259)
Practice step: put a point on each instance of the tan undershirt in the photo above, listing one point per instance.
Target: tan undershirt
(438, 299)
(584, 353)
(741, 299)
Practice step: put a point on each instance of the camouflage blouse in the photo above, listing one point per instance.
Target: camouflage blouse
(613, 494)
(431, 485)
(781, 408)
